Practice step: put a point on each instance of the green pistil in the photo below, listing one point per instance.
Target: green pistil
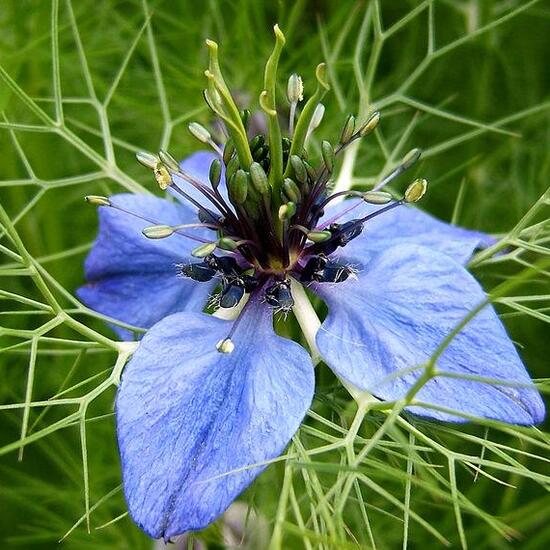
(269, 105)
(221, 101)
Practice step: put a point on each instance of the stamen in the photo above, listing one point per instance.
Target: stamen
(203, 135)
(163, 231)
(104, 201)
(295, 93)
(408, 161)
(225, 346)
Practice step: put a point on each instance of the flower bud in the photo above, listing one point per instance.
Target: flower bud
(158, 231)
(295, 88)
(215, 173)
(200, 132)
(370, 125)
(203, 250)
(348, 129)
(416, 190)
(97, 200)
(147, 159)
(377, 197)
(259, 178)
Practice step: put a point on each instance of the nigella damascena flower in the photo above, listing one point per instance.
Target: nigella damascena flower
(205, 402)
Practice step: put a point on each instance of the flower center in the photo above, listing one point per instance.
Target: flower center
(268, 226)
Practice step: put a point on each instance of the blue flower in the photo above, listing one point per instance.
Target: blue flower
(205, 403)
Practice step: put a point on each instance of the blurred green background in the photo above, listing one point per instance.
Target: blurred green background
(467, 81)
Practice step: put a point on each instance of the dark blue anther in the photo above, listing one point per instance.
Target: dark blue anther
(322, 270)
(279, 296)
(226, 265)
(231, 295)
(200, 272)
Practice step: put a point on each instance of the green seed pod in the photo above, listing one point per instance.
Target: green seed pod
(238, 186)
(328, 155)
(291, 190)
(158, 231)
(377, 197)
(228, 151)
(215, 173)
(416, 190)
(232, 167)
(203, 250)
(259, 178)
(299, 169)
(347, 130)
(311, 172)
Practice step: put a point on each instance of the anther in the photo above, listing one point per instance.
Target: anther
(97, 200)
(169, 161)
(411, 158)
(162, 175)
(328, 155)
(199, 132)
(158, 231)
(147, 159)
(279, 296)
(203, 250)
(225, 346)
(295, 89)
(231, 295)
(377, 197)
(370, 125)
(200, 272)
(316, 119)
(416, 190)
(347, 130)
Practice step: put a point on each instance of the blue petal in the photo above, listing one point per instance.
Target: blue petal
(197, 165)
(192, 421)
(134, 279)
(410, 225)
(404, 304)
